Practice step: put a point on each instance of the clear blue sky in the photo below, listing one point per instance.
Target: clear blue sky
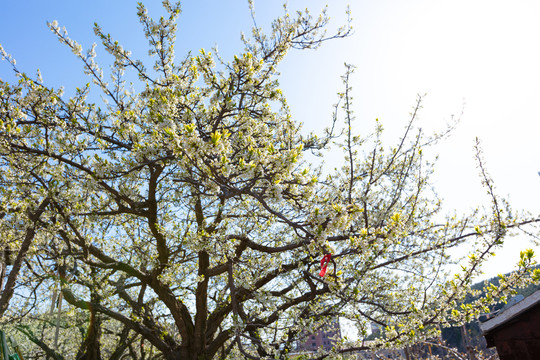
(484, 54)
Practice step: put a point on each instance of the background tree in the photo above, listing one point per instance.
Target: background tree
(179, 213)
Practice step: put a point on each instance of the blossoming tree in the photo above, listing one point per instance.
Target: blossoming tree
(182, 217)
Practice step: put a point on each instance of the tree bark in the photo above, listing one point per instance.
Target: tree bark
(9, 288)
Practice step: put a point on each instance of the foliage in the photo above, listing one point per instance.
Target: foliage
(182, 216)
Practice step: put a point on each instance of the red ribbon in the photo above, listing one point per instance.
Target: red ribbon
(324, 263)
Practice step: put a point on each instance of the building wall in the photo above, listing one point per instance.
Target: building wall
(519, 339)
(326, 338)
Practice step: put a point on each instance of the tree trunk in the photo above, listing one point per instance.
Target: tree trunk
(91, 348)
